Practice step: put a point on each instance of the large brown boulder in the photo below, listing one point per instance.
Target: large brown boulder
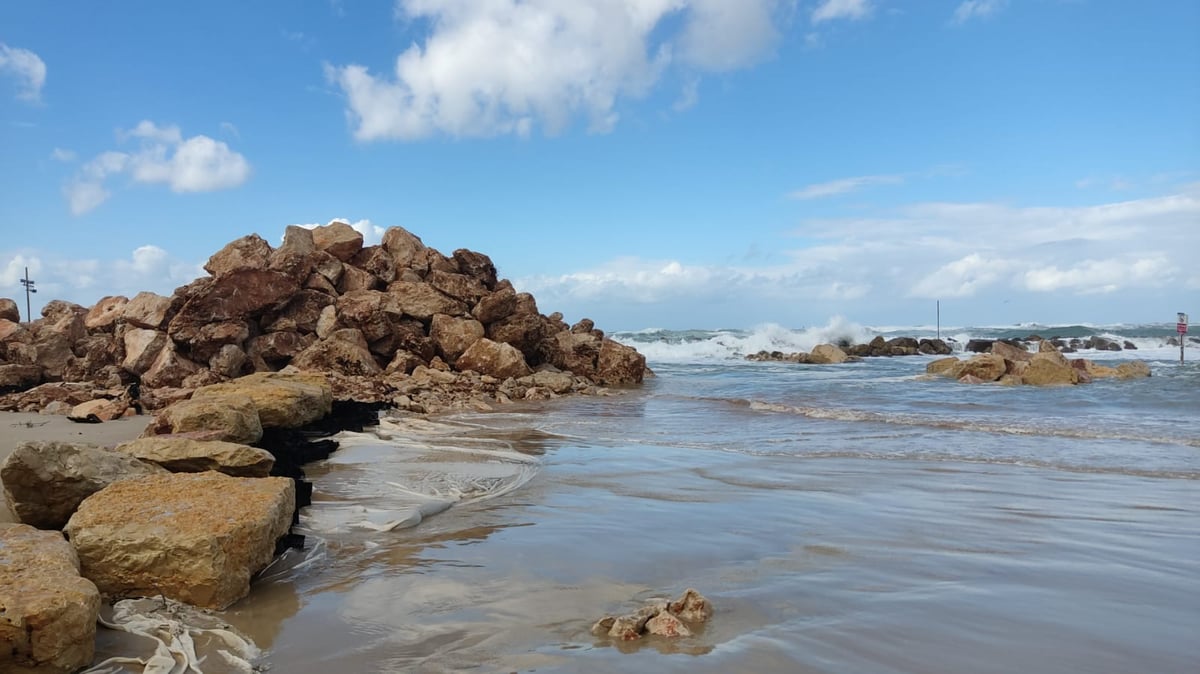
(146, 310)
(9, 310)
(105, 313)
(186, 455)
(44, 482)
(496, 306)
(282, 400)
(453, 335)
(576, 352)
(404, 247)
(169, 368)
(301, 313)
(476, 265)
(12, 330)
(457, 286)
(295, 257)
(276, 349)
(339, 240)
(53, 353)
(48, 611)
(193, 537)
(422, 301)
(942, 366)
(494, 359)
(231, 418)
(337, 355)
(373, 260)
(248, 252)
(14, 376)
(619, 365)
(234, 296)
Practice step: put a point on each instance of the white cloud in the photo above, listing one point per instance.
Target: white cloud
(843, 186)
(65, 156)
(28, 69)
(508, 66)
(890, 266)
(829, 10)
(84, 281)
(372, 233)
(195, 164)
(977, 9)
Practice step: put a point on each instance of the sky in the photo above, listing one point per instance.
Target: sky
(644, 163)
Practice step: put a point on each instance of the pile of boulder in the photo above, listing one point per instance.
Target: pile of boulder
(398, 323)
(1013, 365)
(825, 354)
(188, 512)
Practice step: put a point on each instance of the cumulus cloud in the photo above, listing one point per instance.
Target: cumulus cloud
(27, 68)
(162, 156)
(372, 233)
(844, 186)
(976, 9)
(829, 10)
(510, 66)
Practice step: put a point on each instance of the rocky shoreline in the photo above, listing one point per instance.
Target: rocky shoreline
(247, 371)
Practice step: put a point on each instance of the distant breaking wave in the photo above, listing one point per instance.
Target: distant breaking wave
(698, 346)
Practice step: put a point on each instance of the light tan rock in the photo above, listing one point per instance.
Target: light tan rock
(1097, 371)
(233, 418)
(105, 313)
(185, 455)
(193, 537)
(692, 607)
(146, 310)
(10, 330)
(48, 611)
(985, 366)
(142, 347)
(44, 482)
(1043, 371)
(493, 358)
(559, 382)
(827, 354)
(283, 400)
(102, 408)
(339, 240)
(1134, 369)
(942, 366)
(664, 624)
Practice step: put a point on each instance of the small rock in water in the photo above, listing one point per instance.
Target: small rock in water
(667, 619)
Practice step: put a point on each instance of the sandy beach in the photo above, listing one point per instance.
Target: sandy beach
(19, 427)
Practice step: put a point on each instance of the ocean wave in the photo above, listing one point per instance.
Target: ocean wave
(1152, 340)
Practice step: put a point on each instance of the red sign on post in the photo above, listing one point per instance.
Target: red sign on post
(1181, 328)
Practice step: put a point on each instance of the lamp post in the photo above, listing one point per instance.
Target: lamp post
(28, 283)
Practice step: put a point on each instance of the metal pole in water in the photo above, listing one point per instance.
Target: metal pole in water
(1181, 327)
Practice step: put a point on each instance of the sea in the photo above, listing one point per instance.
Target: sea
(849, 518)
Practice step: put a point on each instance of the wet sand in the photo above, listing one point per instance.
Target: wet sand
(20, 427)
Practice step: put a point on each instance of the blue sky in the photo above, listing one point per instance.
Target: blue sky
(652, 163)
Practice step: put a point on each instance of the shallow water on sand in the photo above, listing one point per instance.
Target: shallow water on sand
(851, 520)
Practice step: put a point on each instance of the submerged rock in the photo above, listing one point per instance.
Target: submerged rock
(662, 618)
